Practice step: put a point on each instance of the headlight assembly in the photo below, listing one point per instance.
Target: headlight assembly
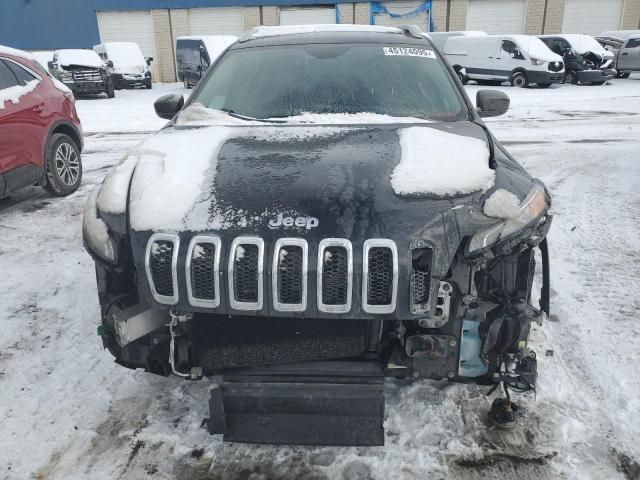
(96, 232)
(532, 208)
(537, 62)
(66, 76)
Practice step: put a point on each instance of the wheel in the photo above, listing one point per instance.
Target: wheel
(544, 85)
(623, 74)
(571, 77)
(148, 85)
(519, 79)
(63, 165)
(110, 91)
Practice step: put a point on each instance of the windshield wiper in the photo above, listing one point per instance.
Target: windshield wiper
(231, 113)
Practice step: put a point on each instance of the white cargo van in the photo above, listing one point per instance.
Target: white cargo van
(493, 59)
(130, 67)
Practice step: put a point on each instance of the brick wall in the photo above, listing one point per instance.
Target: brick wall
(164, 46)
(555, 15)
(251, 17)
(534, 17)
(270, 16)
(346, 12)
(363, 13)
(439, 15)
(631, 15)
(458, 15)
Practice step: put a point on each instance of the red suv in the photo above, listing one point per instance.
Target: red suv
(40, 132)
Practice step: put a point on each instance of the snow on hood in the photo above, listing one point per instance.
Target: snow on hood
(535, 48)
(171, 169)
(198, 114)
(502, 204)
(13, 94)
(584, 43)
(85, 58)
(126, 57)
(441, 163)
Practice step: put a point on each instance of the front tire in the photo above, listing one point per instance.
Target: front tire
(63, 165)
(110, 91)
(571, 77)
(520, 80)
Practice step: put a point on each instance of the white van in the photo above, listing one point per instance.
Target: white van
(493, 59)
(130, 67)
(440, 38)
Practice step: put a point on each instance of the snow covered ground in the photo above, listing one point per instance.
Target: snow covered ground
(68, 412)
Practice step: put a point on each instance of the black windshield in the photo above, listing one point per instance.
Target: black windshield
(284, 81)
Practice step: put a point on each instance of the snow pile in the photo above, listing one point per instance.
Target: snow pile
(297, 29)
(13, 94)
(441, 163)
(95, 230)
(502, 204)
(126, 57)
(170, 174)
(84, 58)
(198, 114)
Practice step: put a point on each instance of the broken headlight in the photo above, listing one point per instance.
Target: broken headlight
(95, 232)
(532, 208)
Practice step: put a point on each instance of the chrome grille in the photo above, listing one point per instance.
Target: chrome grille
(290, 264)
(245, 273)
(202, 271)
(161, 261)
(335, 275)
(87, 75)
(380, 277)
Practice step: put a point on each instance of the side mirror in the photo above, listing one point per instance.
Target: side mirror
(110, 64)
(168, 105)
(51, 65)
(492, 103)
(148, 60)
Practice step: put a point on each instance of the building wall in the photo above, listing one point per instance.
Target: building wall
(363, 14)
(44, 25)
(534, 17)
(631, 15)
(554, 16)
(458, 15)
(347, 11)
(439, 15)
(164, 46)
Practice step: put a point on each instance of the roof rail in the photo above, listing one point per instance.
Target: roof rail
(411, 30)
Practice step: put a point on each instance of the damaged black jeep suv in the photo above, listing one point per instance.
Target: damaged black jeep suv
(326, 210)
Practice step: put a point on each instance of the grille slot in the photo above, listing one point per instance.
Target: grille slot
(245, 273)
(289, 275)
(335, 275)
(420, 288)
(87, 75)
(380, 279)
(202, 271)
(160, 262)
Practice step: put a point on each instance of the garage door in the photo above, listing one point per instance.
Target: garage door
(216, 21)
(307, 16)
(131, 26)
(591, 16)
(496, 16)
(420, 19)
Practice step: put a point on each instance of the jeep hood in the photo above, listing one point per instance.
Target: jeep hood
(369, 181)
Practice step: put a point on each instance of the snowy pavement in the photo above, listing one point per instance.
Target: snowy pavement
(68, 412)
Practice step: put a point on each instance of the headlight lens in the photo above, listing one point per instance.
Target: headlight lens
(533, 207)
(537, 62)
(96, 232)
